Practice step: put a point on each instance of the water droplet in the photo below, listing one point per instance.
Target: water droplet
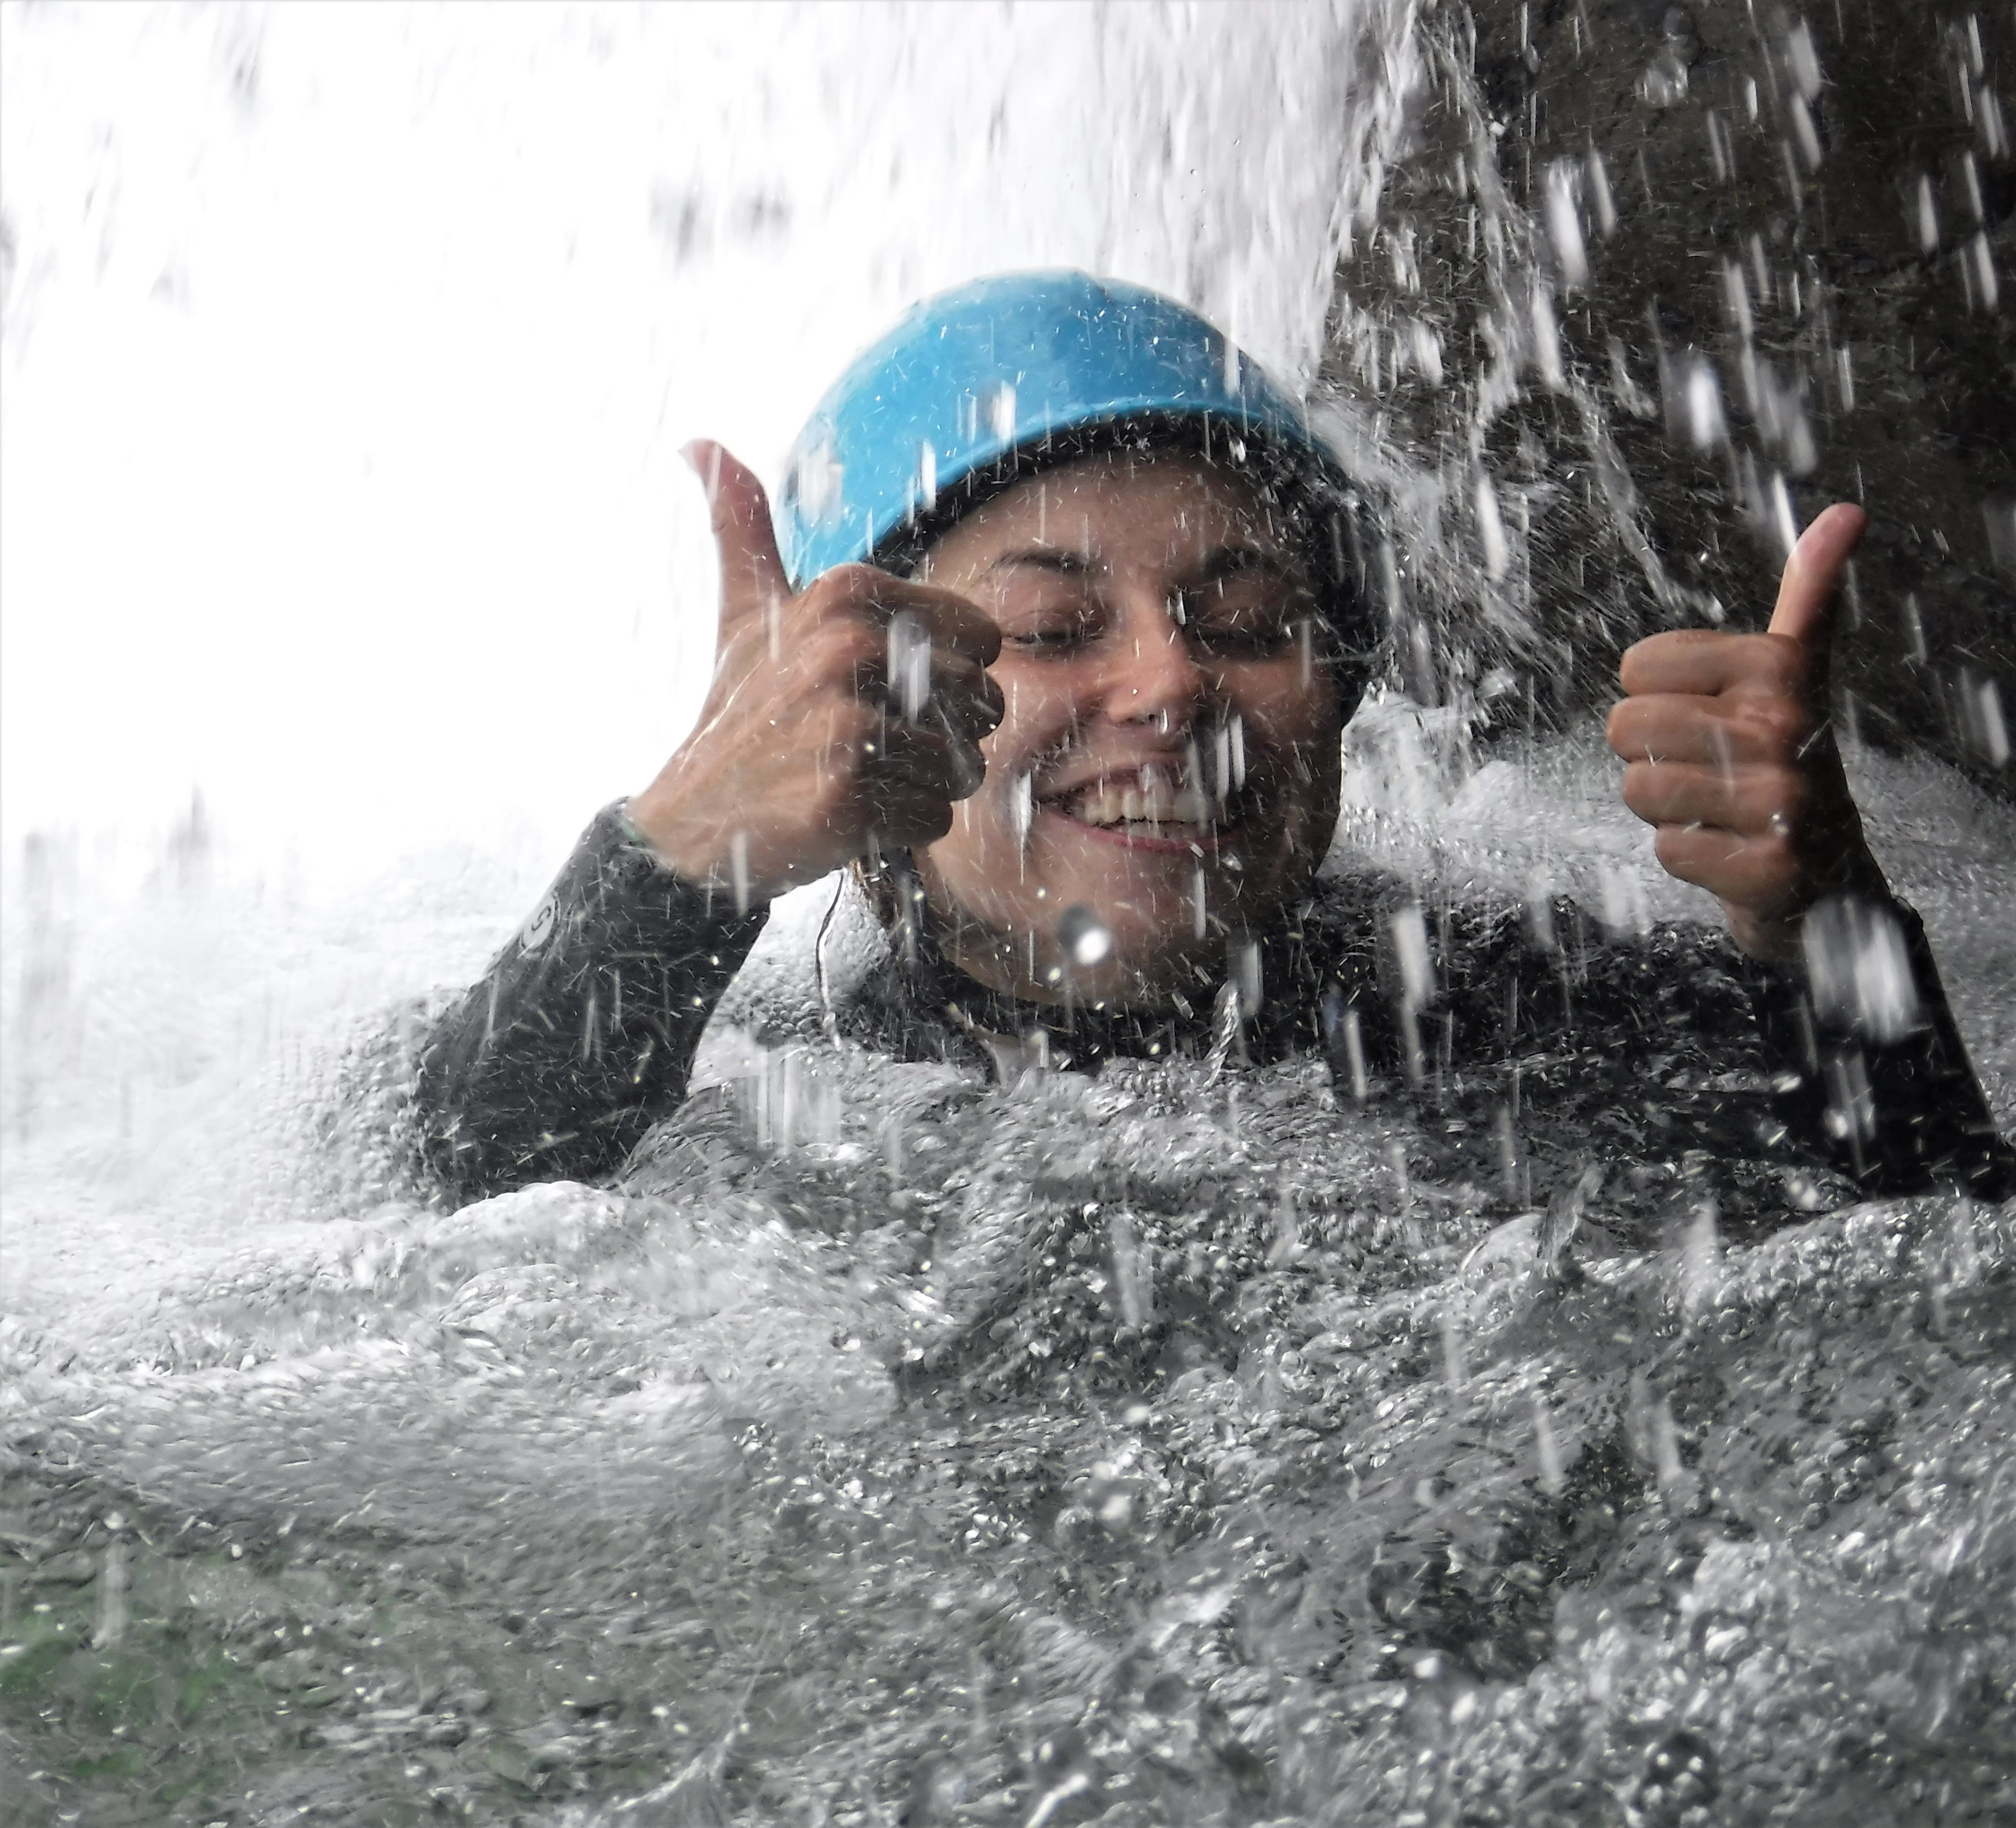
(1133, 1275)
(1563, 219)
(1086, 940)
(1242, 973)
(1491, 529)
(1701, 391)
(1410, 947)
(818, 480)
(1999, 513)
(1601, 204)
(1984, 290)
(1547, 1449)
(738, 868)
(1858, 967)
(1455, 1372)
(1700, 1259)
(910, 663)
(1001, 410)
(1925, 215)
(1021, 811)
(1802, 63)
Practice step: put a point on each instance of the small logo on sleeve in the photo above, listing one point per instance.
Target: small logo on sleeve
(539, 929)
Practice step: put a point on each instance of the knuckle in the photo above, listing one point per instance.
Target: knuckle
(856, 584)
(847, 732)
(1779, 723)
(842, 646)
(1679, 851)
(1776, 855)
(1781, 799)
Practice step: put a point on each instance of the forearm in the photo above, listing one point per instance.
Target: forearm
(582, 1031)
(1870, 1067)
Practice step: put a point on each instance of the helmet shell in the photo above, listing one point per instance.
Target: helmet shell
(996, 367)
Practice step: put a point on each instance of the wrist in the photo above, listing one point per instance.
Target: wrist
(660, 839)
(1778, 939)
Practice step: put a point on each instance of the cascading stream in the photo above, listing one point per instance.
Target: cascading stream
(1197, 1441)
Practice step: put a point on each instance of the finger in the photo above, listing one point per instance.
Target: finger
(1810, 591)
(1751, 802)
(1701, 663)
(953, 621)
(1719, 731)
(964, 695)
(910, 818)
(922, 759)
(752, 572)
(1760, 874)
(957, 691)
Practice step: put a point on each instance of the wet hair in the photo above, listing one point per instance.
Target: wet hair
(1319, 513)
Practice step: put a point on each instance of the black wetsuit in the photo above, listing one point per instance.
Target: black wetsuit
(581, 1034)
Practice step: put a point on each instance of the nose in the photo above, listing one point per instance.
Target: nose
(1151, 674)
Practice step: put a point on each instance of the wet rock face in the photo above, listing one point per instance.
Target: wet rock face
(1730, 253)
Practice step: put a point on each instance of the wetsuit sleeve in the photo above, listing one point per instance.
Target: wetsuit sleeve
(1867, 1069)
(581, 1033)
(1869, 1064)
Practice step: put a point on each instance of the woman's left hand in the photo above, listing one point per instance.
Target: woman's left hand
(1729, 747)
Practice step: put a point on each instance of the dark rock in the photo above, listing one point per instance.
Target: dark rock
(1776, 247)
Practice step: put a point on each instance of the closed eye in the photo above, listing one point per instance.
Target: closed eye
(1242, 600)
(1064, 632)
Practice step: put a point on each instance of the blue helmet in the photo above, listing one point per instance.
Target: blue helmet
(996, 367)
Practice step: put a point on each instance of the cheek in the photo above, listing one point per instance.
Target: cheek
(1282, 715)
(1037, 716)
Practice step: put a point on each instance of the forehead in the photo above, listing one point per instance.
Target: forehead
(1123, 505)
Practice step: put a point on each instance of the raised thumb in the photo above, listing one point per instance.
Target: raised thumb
(752, 573)
(1809, 594)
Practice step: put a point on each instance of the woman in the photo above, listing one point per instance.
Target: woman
(1051, 648)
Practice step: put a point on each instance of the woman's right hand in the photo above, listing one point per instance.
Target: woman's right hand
(804, 756)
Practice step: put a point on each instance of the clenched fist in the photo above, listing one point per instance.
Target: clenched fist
(1730, 753)
(849, 714)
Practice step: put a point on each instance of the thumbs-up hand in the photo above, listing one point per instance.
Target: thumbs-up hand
(848, 714)
(1730, 754)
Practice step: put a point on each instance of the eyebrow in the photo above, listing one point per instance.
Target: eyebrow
(1232, 561)
(1048, 558)
(1221, 562)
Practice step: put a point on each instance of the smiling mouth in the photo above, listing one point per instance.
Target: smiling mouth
(1150, 814)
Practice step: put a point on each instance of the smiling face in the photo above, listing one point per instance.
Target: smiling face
(1168, 756)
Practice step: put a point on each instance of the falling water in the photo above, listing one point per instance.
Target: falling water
(1199, 1442)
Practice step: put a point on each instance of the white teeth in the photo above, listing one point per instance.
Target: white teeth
(1154, 806)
